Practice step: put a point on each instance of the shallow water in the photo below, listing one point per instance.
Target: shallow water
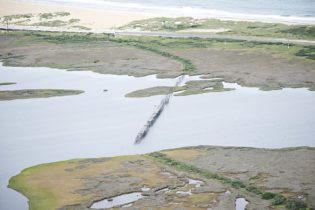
(240, 204)
(195, 182)
(99, 123)
(117, 201)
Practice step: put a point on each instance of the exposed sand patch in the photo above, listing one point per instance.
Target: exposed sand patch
(92, 18)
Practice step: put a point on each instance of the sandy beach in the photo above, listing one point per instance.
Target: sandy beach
(92, 18)
(100, 19)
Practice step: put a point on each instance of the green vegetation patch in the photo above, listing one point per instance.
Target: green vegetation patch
(58, 23)
(26, 19)
(76, 184)
(203, 86)
(7, 83)
(39, 197)
(81, 27)
(162, 45)
(164, 24)
(312, 88)
(188, 66)
(46, 15)
(52, 23)
(171, 48)
(18, 16)
(50, 15)
(307, 52)
(73, 20)
(153, 91)
(240, 28)
(62, 14)
(35, 93)
(307, 31)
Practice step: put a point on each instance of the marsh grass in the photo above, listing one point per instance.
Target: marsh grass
(190, 88)
(276, 199)
(36, 93)
(163, 46)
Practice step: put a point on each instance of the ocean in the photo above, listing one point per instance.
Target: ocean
(282, 10)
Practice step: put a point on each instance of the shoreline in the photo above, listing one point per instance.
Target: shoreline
(109, 18)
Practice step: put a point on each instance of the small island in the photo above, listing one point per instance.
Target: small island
(190, 88)
(36, 93)
(7, 83)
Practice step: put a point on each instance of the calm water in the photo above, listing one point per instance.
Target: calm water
(291, 10)
(117, 201)
(240, 204)
(99, 123)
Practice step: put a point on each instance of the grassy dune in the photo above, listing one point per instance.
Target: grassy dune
(241, 28)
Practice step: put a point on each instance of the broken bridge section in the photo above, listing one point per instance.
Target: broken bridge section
(150, 122)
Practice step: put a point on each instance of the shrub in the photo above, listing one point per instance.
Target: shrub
(254, 190)
(237, 184)
(278, 200)
(268, 195)
(295, 205)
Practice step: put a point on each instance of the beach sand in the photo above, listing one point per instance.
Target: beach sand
(92, 18)
(102, 19)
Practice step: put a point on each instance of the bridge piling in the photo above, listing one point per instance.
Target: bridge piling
(150, 122)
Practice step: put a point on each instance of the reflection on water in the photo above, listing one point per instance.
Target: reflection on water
(98, 123)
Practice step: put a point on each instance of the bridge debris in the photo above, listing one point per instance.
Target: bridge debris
(150, 122)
